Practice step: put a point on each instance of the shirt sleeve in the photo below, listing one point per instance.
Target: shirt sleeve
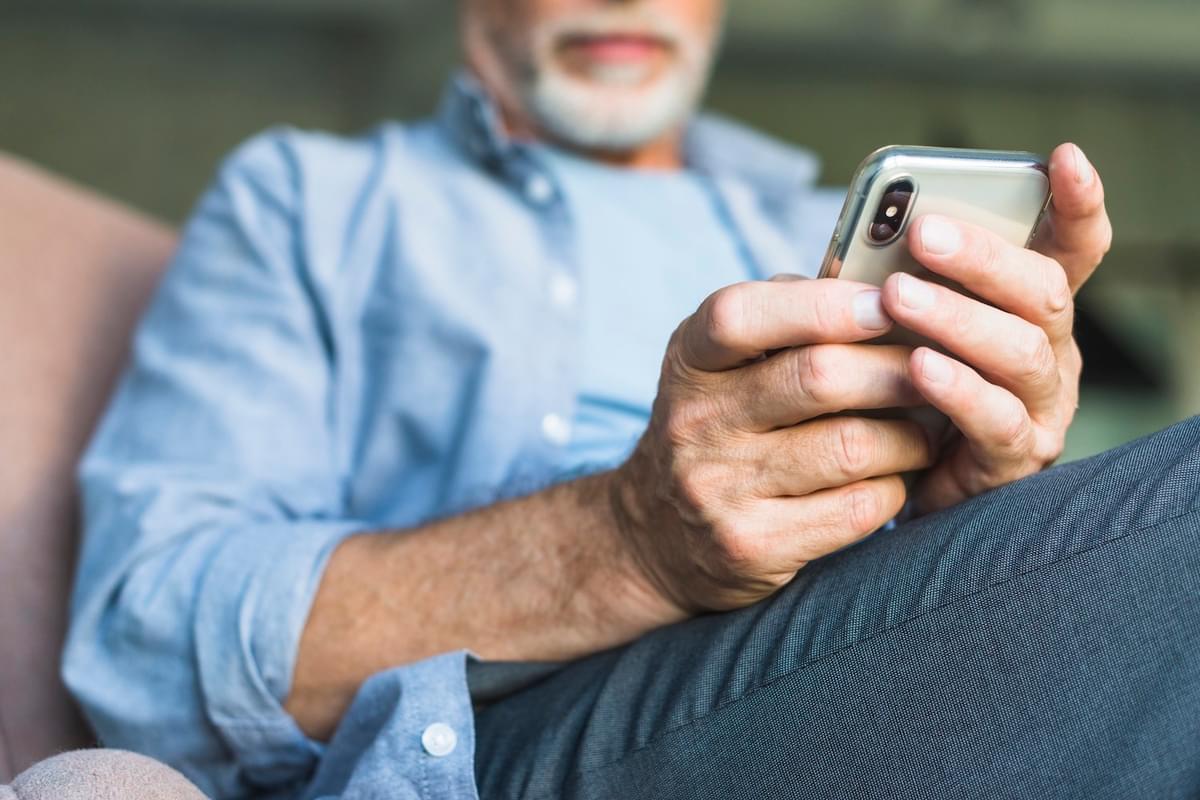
(212, 497)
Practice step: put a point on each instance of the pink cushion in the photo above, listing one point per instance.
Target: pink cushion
(75, 272)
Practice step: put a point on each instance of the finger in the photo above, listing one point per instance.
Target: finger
(1076, 232)
(740, 323)
(994, 422)
(801, 383)
(803, 529)
(834, 452)
(1028, 284)
(1017, 353)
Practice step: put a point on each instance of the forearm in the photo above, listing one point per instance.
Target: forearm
(540, 578)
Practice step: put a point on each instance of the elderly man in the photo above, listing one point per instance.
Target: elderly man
(400, 497)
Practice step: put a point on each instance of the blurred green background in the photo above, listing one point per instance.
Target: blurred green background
(140, 98)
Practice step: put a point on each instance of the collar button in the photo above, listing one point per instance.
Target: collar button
(538, 189)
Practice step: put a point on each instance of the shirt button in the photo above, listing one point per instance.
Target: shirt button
(556, 430)
(563, 291)
(539, 190)
(439, 740)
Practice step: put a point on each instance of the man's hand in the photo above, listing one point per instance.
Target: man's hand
(742, 476)
(1013, 390)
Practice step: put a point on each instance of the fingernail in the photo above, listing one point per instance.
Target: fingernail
(940, 237)
(1083, 170)
(936, 369)
(868, 311)
(915, 294)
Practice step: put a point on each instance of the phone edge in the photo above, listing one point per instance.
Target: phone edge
(878, 161)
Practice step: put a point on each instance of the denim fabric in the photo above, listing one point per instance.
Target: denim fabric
(641, 242)
(1042, 640)
(356, 334)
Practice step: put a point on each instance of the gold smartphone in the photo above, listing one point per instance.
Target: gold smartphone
(1005, 192)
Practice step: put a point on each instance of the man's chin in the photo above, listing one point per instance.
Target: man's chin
(605, 115)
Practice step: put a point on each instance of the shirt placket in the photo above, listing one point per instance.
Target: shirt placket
(554, 367)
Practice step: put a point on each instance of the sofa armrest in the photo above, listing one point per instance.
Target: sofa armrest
(75, 273)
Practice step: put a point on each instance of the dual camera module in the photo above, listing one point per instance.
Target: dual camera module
(892, 212)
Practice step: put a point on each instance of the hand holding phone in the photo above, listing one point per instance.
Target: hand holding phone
(1003, 365)
(988, 304)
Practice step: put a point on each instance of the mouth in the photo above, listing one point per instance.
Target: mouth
(615, 48)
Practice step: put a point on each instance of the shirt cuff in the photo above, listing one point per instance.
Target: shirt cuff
(253, 603)
(411, 729)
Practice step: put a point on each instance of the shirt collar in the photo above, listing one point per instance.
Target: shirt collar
(471, 120)
(713, 145)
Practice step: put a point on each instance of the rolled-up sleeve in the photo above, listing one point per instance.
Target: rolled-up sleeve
(212, 497)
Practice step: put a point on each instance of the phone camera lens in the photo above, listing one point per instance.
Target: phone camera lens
(882, 232)
(892, 212)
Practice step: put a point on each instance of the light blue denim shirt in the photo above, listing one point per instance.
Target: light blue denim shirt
(356, 334)
(633, 288)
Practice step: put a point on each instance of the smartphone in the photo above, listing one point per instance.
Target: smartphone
(1006, 192)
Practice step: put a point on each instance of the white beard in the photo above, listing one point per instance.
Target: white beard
(613, 108)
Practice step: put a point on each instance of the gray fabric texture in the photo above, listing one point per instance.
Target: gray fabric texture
(1038, 641)
(100, 775)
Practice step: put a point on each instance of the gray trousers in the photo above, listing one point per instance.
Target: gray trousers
(1042, 640)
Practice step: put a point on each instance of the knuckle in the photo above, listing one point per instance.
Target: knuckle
(1012, 432)
(1074, 359)
(1106, 239)
(685, 420)
(989, 258)
(676, 345)
(864, 507)
(816, 374)
(684, 352)
(1057, 291)
(1035, 356)
(827, 313)
(727, 316)
(695, 488)
(1051, 449)
(962, 321)
(737, 544)
(853, 447)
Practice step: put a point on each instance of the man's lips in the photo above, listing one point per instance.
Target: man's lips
(616, 47)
